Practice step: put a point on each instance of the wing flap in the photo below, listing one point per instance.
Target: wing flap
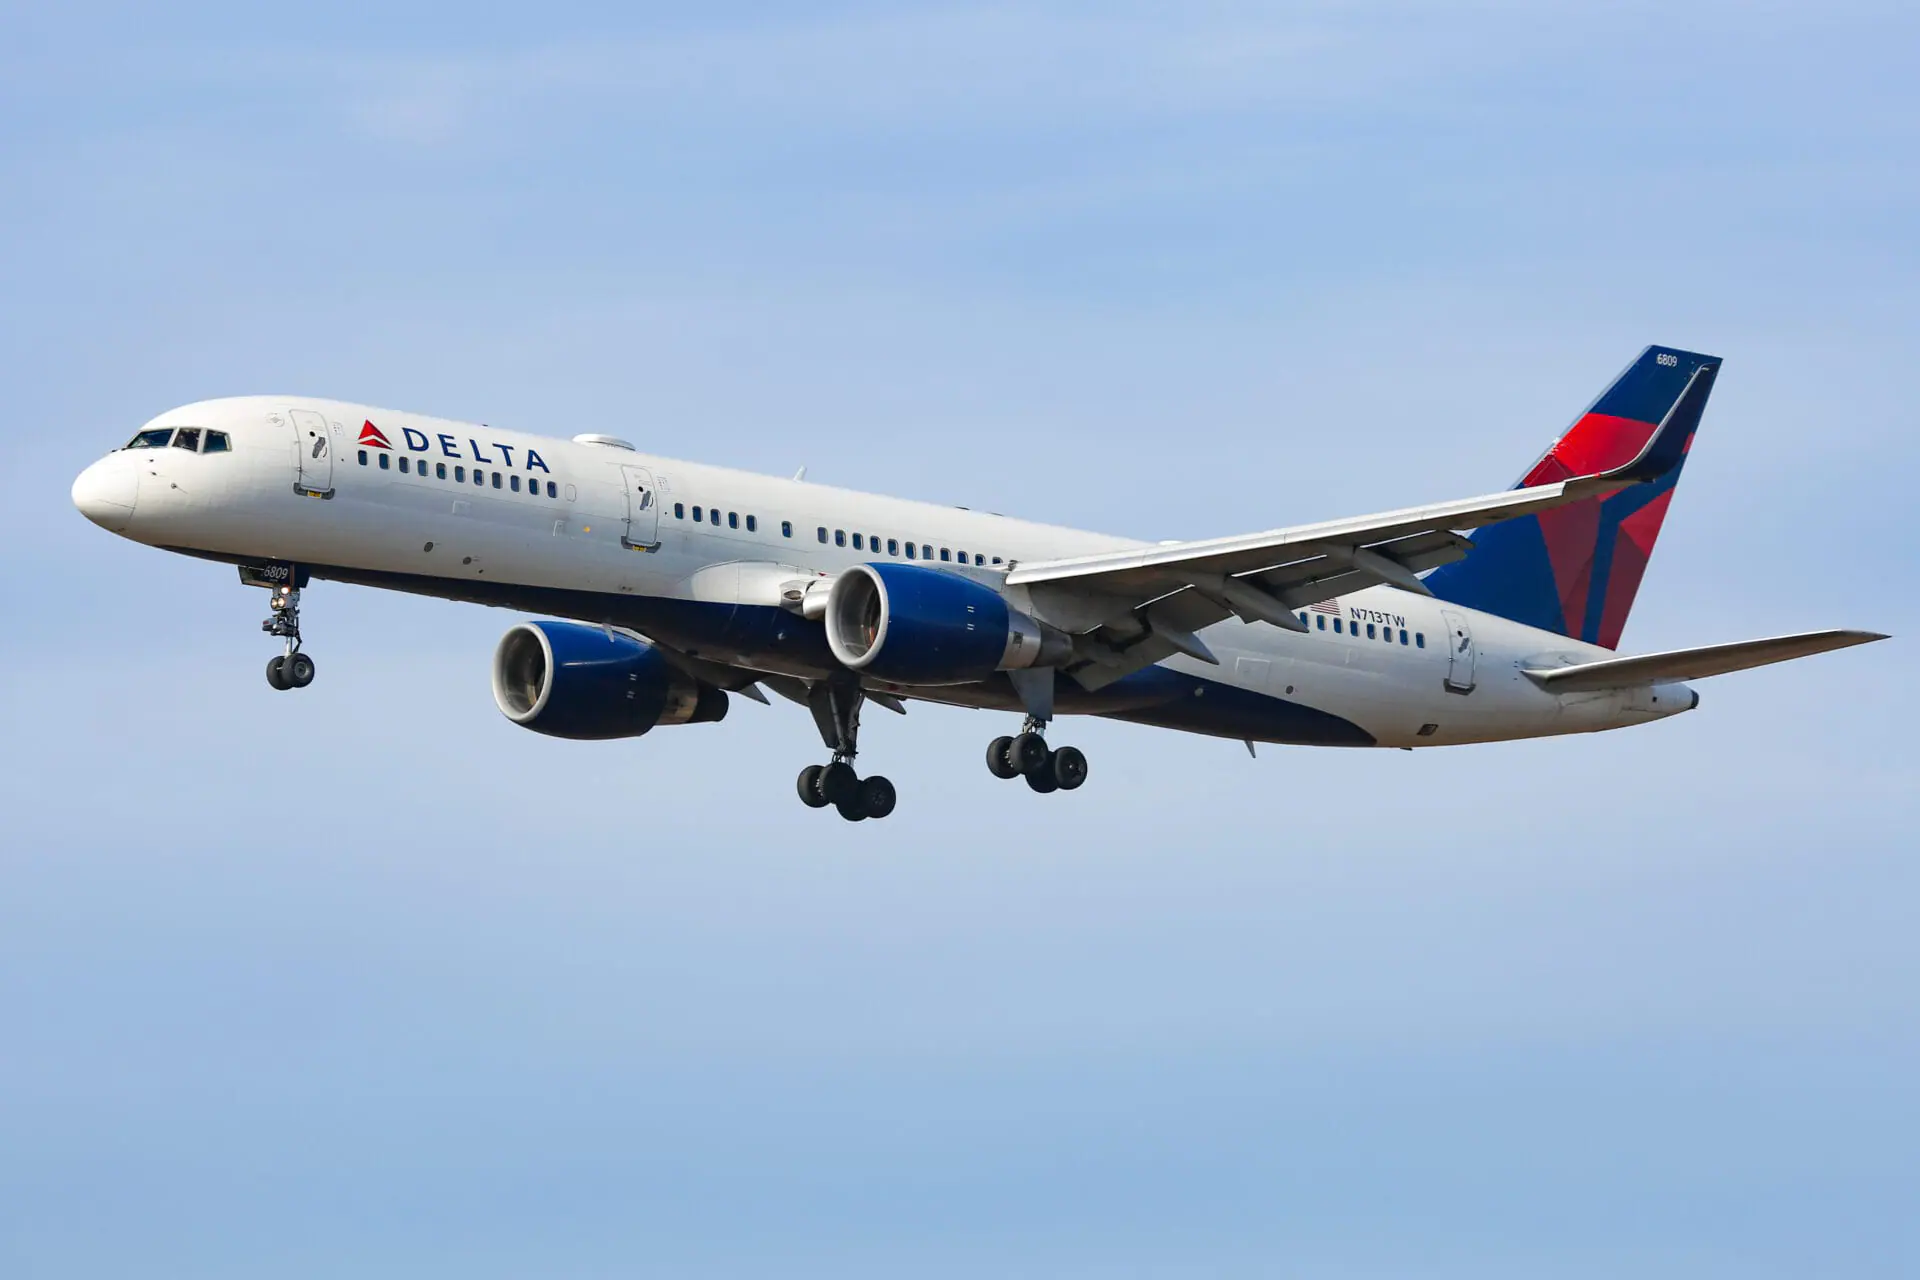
(1693, 664)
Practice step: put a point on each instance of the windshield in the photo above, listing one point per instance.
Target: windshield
(154, 439)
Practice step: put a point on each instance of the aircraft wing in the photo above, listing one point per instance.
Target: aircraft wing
(1133, 608)
(1692, 664)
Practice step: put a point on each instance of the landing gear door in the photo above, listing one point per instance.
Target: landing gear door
(643, 510)
(1460, 656)
(313, 453)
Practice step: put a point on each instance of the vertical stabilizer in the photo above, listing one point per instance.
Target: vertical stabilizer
(1575, 569)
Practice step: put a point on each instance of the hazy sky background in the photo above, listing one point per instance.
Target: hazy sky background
(366, 981)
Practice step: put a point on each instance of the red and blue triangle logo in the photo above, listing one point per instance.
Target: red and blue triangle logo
(370, 434)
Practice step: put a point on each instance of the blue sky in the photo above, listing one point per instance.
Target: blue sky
(366, 981)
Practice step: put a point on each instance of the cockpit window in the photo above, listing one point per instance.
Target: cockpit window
(154, 439)
(216, 443)
(187, 438)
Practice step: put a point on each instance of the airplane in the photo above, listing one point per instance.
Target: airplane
(670, 585)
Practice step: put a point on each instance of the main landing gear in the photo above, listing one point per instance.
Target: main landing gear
(1026, 755)
(292, 669)
(836, 711)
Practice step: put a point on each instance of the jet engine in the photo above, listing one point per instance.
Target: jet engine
(906, 624)
(573, 681)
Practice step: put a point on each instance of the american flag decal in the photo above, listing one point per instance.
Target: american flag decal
(1327, 606)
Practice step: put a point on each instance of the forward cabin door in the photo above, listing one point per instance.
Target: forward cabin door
(1460, 657)
(643, 510)
(313, 453)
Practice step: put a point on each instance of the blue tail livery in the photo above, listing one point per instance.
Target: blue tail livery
(1575, 569)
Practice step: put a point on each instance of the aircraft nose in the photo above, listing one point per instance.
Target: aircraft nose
(105, 491)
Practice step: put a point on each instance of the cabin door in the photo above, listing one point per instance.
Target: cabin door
(643, 510)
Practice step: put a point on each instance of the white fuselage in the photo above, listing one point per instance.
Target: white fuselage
(616, 541)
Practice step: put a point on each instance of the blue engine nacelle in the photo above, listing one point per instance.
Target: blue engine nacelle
(907, 624)
(574, 681)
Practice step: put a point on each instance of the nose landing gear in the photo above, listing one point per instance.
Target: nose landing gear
(292, 669)
(1026, 755)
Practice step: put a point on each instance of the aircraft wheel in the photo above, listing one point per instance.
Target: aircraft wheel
(839, 784)
(1043, 781)
(877, 796)
(1028, 753)
(808, 784)
(1069, 767)
(298, 670)
(851, 810)
(276, 673)
(997, 763)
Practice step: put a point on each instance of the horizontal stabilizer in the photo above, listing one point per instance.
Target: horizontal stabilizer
(1692, 664)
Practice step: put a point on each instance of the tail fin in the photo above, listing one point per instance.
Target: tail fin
(1575, 569)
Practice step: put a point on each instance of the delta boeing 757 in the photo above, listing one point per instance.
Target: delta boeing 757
(680, 584)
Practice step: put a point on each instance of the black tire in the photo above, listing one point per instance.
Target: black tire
(877, 796)
(276, 673)
(1069, 768)
(851, 810)
(808, 784)
(1042, 780)
(298, 671)
(839, 784)
(1028, 753)
(997, 763)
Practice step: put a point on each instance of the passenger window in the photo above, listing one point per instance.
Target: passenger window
(733, 519)
(459, 475)
(439, 471)
(216, 443)
(697, 515)
(384, 463)
(1370, 634)
(363, 457)
(403, 464)
(479, 476)
(945, 554)
(1403, 635)
(679, 511)
(515, 486)
(713, 516)
(996, 559)
(1419, 639)
(187, 438)
(154, 439)
(1320, 620)
(786, 528)
(859, 543)
(978, 558)
(910, 554)
(496, 479)
(753, 524)
(893, 546)
(839, 537)
(1336, 626)
(823, 535)
(926, 552)
(553, 490)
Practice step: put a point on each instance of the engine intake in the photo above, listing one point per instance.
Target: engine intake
(911, 625)
(573, 681)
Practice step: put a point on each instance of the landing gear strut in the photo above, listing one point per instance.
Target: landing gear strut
(1026, 755)
(836, 711)
(292, 669)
